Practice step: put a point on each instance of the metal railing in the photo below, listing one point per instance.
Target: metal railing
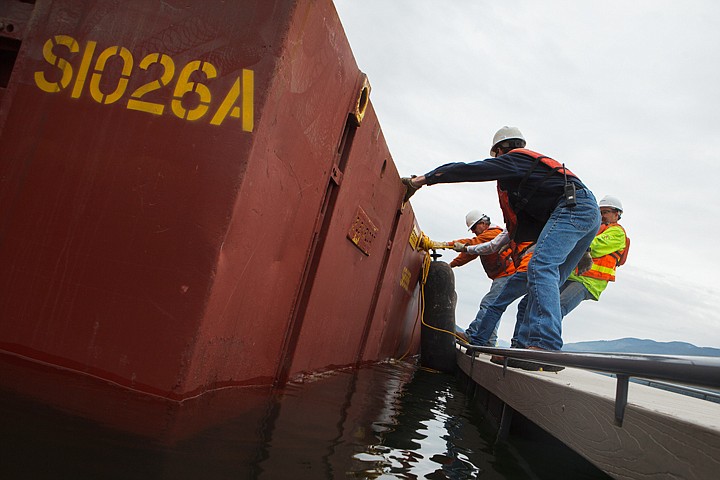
(683, 370)
(709, 395)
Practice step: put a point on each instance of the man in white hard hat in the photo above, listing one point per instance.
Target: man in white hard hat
(497, 265)
(608, 250)
(542, 202)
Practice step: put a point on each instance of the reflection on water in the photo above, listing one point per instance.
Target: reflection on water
(382, 421)
(428, 434)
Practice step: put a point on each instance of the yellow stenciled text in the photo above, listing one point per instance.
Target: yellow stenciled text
(83, 71)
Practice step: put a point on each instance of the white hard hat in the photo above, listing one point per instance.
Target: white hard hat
(506, 133)
(474, 216)
(611, 201)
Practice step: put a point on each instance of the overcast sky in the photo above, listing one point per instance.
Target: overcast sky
(627, 94)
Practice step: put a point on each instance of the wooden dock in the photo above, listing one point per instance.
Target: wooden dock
(663, 435)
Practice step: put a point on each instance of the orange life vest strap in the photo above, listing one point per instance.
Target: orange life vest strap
(546, 160)
(621, 255)
(510, 214)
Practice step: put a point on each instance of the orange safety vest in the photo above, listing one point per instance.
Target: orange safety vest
(498, 264)
(604, 267)
(510, 214)
(521, 255)
(495, 264)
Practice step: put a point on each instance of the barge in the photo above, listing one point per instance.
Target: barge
(194, 196)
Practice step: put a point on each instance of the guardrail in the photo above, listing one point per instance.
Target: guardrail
(702, 394)
(686, 370)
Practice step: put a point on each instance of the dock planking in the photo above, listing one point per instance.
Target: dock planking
(663, 434)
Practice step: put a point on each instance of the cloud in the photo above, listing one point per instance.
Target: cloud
(624, 93)
(646, 305)
(639, 304)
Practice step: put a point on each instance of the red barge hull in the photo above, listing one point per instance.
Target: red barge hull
(194, 195)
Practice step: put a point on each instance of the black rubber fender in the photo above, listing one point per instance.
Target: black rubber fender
(437, 348)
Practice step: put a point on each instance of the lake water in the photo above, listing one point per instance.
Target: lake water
(381, 421)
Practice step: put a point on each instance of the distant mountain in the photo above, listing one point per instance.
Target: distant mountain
(636, 345)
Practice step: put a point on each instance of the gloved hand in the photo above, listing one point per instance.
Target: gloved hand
(585, 263)
(410, 188)
(459, 247)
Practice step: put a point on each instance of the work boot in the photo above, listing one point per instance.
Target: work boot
(524, 364)
(498, 359)
(537, 366)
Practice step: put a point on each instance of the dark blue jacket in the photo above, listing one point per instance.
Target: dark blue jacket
(509, 170)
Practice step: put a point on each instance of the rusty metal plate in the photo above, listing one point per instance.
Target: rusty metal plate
(362, 231)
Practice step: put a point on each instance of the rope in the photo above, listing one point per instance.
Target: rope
(426, 244)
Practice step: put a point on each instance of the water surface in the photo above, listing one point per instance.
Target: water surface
(381, 421)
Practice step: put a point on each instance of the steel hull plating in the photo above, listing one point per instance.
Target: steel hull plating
(196, 195)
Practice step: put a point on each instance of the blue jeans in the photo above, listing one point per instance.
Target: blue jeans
(486, 326)
(495, 288)
(562, 242)
(571, 294)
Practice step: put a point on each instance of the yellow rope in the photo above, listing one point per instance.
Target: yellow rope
(426, 244)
